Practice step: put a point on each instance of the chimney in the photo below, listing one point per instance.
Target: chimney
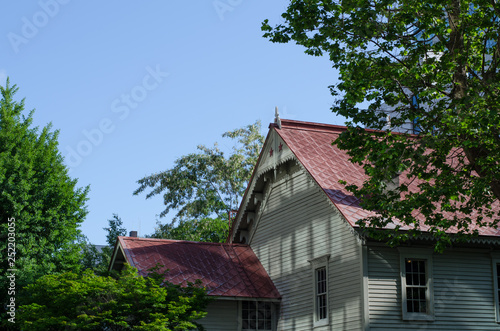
(133, 234)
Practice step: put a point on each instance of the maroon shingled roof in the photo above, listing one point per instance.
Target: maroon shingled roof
(311, 143)
(226, 270)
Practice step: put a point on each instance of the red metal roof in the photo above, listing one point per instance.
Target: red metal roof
(226, 270)
(312, 145)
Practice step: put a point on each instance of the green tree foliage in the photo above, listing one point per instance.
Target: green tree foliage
(445, 54)
(204, 187)
(70, 301)
(37, 192)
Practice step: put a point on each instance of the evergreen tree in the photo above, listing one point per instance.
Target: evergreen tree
(40, 205)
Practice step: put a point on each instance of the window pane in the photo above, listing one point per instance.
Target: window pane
(423, 307)
(422, 280)
(322, 307)
(416, 278)
(409, 305)
(260, 320)
(267, 310)
(408, 265)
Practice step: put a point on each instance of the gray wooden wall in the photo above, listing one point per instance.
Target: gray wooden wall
(463, 291)
(296, 225)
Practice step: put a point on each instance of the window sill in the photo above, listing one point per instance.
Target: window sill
(321, 323)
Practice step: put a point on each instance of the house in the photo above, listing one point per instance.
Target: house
(306, 264)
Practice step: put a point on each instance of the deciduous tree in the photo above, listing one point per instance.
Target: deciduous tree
(204, 187)
(70, 301)
(433, 63)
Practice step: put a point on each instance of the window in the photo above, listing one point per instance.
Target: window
(320, 283)
(257, 315)
(416, 286)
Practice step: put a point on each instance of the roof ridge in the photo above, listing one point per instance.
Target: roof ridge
(324, 127)
(303, 125)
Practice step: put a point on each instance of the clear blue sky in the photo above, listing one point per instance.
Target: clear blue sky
(132, 86)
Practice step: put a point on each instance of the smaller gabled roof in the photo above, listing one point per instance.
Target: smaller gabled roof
(226, 270)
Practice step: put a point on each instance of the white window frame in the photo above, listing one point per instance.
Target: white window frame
(320, 263)
(408, 253)
(496, 294)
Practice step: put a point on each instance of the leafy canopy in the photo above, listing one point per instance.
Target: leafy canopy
(89, 302)
(204, 187)
(433, 63)
(36, 191)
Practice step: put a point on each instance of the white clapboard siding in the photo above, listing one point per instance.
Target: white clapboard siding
(463, 291)
(222, 316)
(296, 225)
